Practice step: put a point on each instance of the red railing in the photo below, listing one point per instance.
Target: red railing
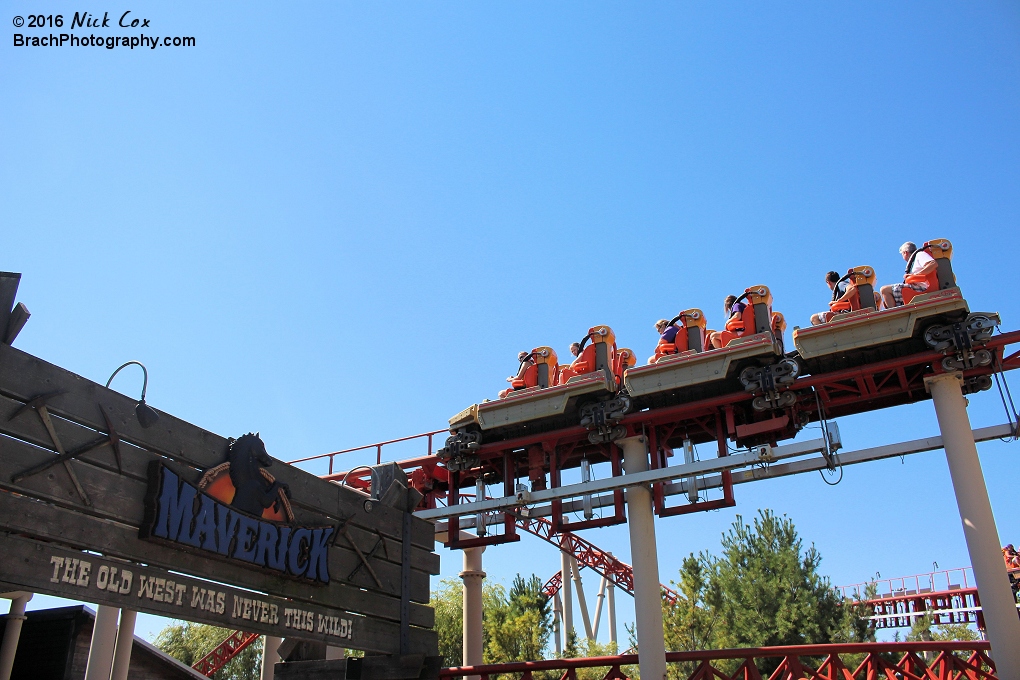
(224, 652)
(377, 446)
(931, 582)
(906, 660)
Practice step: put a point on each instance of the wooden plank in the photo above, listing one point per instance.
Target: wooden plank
(27, 426)
(46, 568)
(8, 292)
(23, 377)
(24, 515)
(408, 667)
(120, 498)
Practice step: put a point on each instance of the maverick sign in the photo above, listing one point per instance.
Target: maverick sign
(177, 512)
(178, 521)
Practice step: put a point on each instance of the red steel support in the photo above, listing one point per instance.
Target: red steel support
(235, 643)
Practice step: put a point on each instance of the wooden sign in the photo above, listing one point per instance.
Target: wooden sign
(78, 463)
(177, 512)
(43, 568)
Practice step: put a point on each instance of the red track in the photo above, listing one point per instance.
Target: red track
(542, 456)
(588, 555)
(224, 652)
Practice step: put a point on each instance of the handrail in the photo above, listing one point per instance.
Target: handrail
(933, 581)
(378, 446)
(943, 666)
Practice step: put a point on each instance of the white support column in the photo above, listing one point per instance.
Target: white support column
(568, 600)
(557, 616)
(270, 656)
(611, 595)
(104, 641)
(472, 626)
(125, 641)
(581, 603)
(644, 556)
(598, 606)
(12, 633)
(1001, 622)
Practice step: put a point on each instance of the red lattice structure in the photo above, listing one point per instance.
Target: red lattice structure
(950, 596)
(588, 555)
(906, 660)
(224, 652)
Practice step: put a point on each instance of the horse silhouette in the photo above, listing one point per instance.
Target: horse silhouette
(252, 492)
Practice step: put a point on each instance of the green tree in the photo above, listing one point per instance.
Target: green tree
(770, 591)
(447, 601)
(516, 624)
(763, 590)
(189, 642)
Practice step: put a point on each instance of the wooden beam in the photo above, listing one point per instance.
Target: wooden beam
(47, 520)
(46, 568)
(23, 377)
(125, 504)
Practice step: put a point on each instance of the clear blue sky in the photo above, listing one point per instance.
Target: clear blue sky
(338, 223)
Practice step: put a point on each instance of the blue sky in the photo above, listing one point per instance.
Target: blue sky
(338, 223)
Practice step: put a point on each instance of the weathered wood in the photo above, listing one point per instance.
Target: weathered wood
(23, 377)
(125, 505)
(322, 669)
(406, 667)
(120, 499)
(8, 292)
(27, 426)
(24, 515)
(18, 318)
(46, 568)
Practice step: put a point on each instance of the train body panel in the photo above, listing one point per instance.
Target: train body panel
(534, 405)
(698, 369)
(867, 335)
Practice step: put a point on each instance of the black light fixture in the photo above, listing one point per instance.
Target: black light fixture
(147, 417)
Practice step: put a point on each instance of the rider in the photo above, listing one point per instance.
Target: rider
(667, 334)
(527, 361)
(833, 282)
(731, 309)
(921, 270)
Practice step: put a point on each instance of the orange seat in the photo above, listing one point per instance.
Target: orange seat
(600, 354)
(691, 336)
(748, 322)
(543, 371)
(940, 278)
(530, 379)
(859, 294)
(624, 359)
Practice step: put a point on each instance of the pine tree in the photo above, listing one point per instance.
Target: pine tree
(764, 590)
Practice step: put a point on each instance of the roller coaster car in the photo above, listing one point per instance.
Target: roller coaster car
(937, 319)
(584, 392)
(692, 336)
(751, 358)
